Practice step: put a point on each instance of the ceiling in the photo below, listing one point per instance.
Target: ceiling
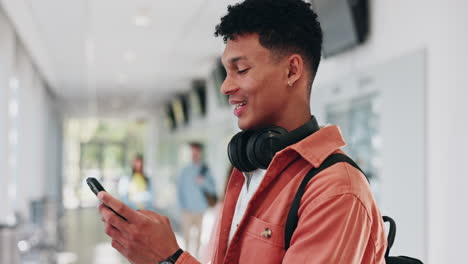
(93, 51)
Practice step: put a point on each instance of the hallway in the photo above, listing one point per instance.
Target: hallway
(118, 90)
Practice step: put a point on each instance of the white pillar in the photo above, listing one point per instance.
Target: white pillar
(27, 174)
(7, 40)
(151, 143)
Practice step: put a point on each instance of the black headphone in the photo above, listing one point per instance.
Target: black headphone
(250, 150)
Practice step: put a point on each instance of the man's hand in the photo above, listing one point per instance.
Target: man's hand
(145, 238)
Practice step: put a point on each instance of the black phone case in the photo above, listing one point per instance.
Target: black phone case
(96, 187)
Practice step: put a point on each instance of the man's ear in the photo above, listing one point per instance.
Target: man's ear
(295, 68)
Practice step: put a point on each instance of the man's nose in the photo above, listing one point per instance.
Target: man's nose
(228, 87)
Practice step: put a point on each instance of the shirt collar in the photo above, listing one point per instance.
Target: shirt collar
(318, 146)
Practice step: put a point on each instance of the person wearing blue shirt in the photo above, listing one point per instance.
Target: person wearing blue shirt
(193, 182)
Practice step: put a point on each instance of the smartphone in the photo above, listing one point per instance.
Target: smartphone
(96, 187)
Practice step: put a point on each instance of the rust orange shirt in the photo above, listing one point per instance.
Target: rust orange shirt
(339, 221)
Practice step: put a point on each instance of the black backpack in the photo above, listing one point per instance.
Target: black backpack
(291, 222)
(211, 198)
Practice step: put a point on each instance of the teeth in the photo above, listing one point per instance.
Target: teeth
(240, 104)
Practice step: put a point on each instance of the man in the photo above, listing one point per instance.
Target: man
(194, 182)
(272, 54)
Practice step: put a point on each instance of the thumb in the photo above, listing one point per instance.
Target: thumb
(145, 212)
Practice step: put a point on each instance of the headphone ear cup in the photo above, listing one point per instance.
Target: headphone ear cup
(237, 151)
(232, 150)
(263, 145)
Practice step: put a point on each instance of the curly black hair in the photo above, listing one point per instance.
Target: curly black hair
(283, 26)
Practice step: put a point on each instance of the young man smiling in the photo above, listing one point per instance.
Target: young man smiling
(272, 54)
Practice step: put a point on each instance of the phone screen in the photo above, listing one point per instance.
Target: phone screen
(96, 187)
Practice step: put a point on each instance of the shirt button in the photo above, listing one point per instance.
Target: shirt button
(266, 233)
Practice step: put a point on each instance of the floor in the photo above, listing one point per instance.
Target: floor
(85, 239)
(86, 242)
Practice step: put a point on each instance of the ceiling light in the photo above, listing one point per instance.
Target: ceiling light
(142, 20)
(14, 83)
(129, 56)
(13, 137)
(13, 108)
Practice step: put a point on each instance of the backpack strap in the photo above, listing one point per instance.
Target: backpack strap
(203, 170)
(391, 234)
(291, 222)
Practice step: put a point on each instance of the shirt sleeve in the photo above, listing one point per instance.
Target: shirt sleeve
(333, 230)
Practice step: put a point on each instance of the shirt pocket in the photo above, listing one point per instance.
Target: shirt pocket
(263, 242)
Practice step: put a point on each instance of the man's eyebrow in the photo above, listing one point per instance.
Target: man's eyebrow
(236, 59)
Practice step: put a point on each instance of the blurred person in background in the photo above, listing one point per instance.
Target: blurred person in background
(136, 191)
(196, 192)
(207, 250)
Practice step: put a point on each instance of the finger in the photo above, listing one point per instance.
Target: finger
(101, 205)
(104, 212)
(101, 209)
(146, 212)
(122, 209)
(113, 232)
(133, 257)
(151, 215)
(112, 219)
(119, 247)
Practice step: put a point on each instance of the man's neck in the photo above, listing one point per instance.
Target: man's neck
(297, 114)
(294, 121)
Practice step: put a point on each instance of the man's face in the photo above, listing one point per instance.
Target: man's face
(256, 82)
(138, 165)
(196, 154)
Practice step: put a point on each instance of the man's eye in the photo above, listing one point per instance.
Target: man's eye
(243, 71)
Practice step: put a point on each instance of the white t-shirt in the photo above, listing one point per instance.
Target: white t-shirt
(251, 183)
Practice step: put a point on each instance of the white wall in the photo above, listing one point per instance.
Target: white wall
(397, 88)
(6, 64)
(447, 131)
(151, 141)
(39, 137)
(397, 28)
(28, 175)
(31, 163)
